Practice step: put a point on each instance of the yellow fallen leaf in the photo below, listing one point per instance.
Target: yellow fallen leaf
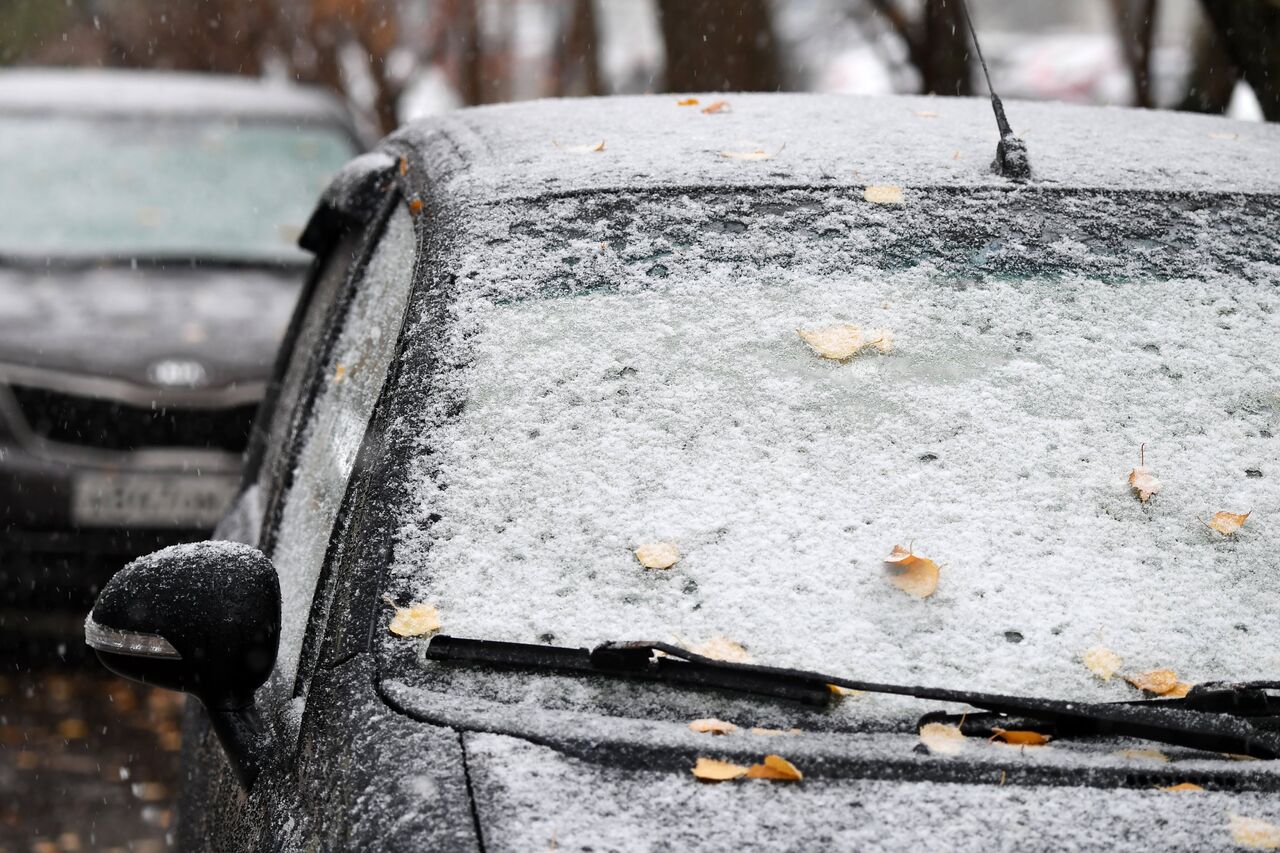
(883, 194)
(1254, 833)
(581, 149)
(881, 339)
(1019, 737)
(844, 691)
(1224, 136)
(404, 166)
(1179, 691)
(415, 206)
(754, 154)
(1102, 662)
(717, 107)
(942, 738)
(915, 575)
(1143, 483)
(1227, 523)
(722, 648)
(415, 620)
(1182, 786)
(1151, 754)
(339, 374)
(834, 342)
(1157, 681)
(712, 726)
(687, 102)
(756, 730)
(658, 555)
(777, 768)
(714, 770)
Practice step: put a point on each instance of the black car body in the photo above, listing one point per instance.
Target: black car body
(540, 336)
(147, 273)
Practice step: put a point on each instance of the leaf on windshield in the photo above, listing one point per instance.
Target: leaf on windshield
(712, 726)
(883, 194)
(1227, 523)
(1102, 662)
(881, 339)
(687, 102)
(658, 555)
(1181, 787)
(1157, 681)
(717, 107)
(942, 738)
(840, 343)
(1141, 480)
(1019, 737)
(914, 575)
(844, 691)
(722, 648)
(415, 620)
(776, 768)
(714, 770)
(1254, 833)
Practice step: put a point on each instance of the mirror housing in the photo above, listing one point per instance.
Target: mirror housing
(204, 619)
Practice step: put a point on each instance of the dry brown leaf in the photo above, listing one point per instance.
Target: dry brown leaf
(844, 691)
(915, 575)
(1224, 136)
(717, 107)
(1227, 523)
(1019, 737)
(588, 148)
(712, 726)
(1157, 681)
(415, 206)
(339, 373)
(1179, 691)
(1143, 483)
(754, 154)
(404, 166)
(1182, 786)
(722, 648)
(777, 768)
(883, 194)
(415, 620)
(1150, 754)
(1102, 662)
(834, 342)
(658, 555)
(687, 102)
(1254, 833)
(942, 738)
(714, 770)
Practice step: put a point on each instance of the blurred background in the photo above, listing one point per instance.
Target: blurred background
(137, 328)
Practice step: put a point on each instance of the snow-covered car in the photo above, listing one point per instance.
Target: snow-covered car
(581, 490)
(148, 268)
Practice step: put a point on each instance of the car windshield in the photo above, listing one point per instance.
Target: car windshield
(655, 389)
(185, 187)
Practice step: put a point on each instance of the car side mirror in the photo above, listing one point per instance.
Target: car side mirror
(204, 619)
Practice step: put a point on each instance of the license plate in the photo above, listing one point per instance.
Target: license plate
(151, 500)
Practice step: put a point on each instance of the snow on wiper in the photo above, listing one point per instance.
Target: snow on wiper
(1233, 718)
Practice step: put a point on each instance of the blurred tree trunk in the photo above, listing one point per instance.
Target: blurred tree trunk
(1135, 25)
(937, 44)
(719, 46)
(577, 67)
(1250, 33)
(1213, 75)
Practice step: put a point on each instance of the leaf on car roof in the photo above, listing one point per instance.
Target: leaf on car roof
(712, 726)
(1019, 737)
(587, 148)
(776, 768)
(942, 738)
(886, 194)
(1102, 662)
(1157, 681)
(913, 574)
(717, 107)
(1227, 523)
(1141, 480)
(658, 555)
(687, 102)
(722, 648)
(415, 620)
(714, 770)
(1254, 833)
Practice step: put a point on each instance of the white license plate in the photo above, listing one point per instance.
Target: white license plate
(151, 500)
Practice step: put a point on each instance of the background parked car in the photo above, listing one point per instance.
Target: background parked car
(148, 266)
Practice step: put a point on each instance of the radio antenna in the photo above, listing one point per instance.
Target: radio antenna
(1011, 152)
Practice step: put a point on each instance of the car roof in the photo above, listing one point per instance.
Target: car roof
(114, 91)
(587, 144)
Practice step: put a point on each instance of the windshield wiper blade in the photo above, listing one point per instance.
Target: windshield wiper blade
(1171, 721)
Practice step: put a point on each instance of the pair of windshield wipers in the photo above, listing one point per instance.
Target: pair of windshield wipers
(1239, 718)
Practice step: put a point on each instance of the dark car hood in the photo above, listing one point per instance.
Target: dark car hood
(119, 323)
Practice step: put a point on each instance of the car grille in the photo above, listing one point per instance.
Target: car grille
(111, 425)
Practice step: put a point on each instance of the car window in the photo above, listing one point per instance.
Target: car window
(352, 377)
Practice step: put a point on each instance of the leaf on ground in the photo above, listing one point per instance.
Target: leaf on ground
(1157, 681)
(717, 107)
(1102, 662)
(1149, 754)
(1019, 737)
(1182, 786)
(883, 194)
(1227, 523)
(687, 102)
(1143, 483)
(415, 620)
(777, 768)
(714, 770)
(588, 148)
(712, 726)
(914, 575)
(1254, 833)
(722, 648)
(658, 555)
(942, 738)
